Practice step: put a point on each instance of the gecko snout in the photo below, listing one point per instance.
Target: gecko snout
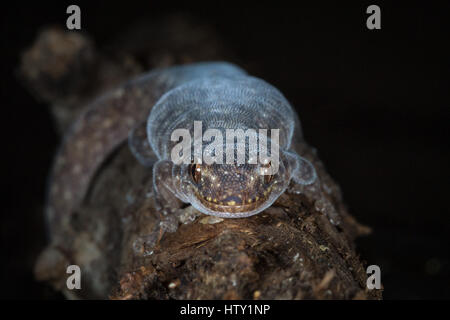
(230, 190)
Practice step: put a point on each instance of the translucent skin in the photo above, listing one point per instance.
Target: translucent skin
(220, 95)
(221, 102)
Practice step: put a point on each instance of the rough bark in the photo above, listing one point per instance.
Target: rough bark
(289, 251)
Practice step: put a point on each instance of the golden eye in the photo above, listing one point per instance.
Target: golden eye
(196, 172)
(268, 178)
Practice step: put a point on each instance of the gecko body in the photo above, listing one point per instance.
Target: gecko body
(148, 109)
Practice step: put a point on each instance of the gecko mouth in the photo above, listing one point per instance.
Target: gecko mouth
(232, 203)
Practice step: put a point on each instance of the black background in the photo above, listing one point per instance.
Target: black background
(374, 103)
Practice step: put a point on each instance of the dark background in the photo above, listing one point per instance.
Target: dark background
(374, 103)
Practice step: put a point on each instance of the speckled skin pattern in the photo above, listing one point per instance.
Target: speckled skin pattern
(148, 109)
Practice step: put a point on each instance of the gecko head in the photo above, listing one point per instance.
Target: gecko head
(232, 190)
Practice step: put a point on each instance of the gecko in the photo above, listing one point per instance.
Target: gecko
(146, 110)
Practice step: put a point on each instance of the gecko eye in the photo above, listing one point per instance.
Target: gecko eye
(267, 177)
(196, 172)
